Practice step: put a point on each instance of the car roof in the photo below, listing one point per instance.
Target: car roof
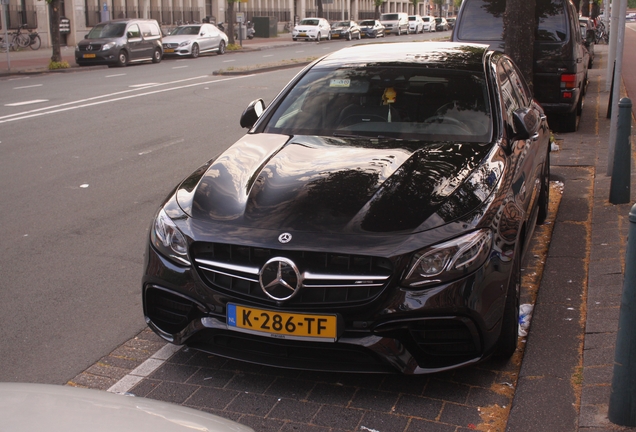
(437, 54)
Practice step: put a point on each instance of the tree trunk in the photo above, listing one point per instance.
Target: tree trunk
(54, 27)
(230, 22)
(320, 10)
(519, 26)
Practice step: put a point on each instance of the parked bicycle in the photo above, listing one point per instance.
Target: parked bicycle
(30, 39)
(602, 34)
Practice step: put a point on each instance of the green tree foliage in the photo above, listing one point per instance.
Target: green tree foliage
(415, 3)
(378, 4)
(439, 4)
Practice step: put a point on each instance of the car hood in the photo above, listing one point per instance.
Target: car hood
(179, 38)
(325, 184)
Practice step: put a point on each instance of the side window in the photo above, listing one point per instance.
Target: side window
(508, 100)
(154, 29)
(133, 31)
(145, 28)
(519, 86)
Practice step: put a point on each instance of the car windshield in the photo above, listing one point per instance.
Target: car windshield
(186, 30)
(342, 24)
(390, 101)
(309, 22)
(108, 30)
(367, 23)
(389, 17)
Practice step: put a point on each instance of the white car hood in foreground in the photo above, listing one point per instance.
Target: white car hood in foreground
(51, 408)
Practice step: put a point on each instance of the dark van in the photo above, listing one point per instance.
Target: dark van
(119, 42)
(560, 58)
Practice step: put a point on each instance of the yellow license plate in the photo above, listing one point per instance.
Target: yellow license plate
(335, 35)
(283, 325)
(302, 34)
(168, 50)
(89, 55)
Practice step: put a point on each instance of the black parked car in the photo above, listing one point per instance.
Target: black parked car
(373, 218)
(120, 42)
(345, 30)
(560, 57)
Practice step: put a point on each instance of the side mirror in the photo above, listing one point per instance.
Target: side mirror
(252, 113)
(526, 122)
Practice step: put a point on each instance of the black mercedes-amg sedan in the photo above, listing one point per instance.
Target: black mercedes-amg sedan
(372, 219)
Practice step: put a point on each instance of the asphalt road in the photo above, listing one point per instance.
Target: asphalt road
(87, 158)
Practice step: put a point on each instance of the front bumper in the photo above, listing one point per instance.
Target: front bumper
(407, 331)
(97, 57)
(177, 50)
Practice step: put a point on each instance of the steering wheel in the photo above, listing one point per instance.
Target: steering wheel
(449, 120)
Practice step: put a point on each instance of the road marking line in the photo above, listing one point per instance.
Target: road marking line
(26, 102)
(144, 85)
(115, 75)
(2, 118)
(161, 146)
(228, 61)
(30, 114)
(26, 87)
(180, 67)
(145, 369)
(269, 55)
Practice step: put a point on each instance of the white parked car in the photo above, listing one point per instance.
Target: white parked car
(428, 23)
(416, 25)
(312, 29)
(194, 39)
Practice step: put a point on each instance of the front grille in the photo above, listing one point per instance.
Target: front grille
(94, 48)
(328, 278)
(171, 45)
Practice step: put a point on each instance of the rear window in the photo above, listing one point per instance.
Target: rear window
(482, 20)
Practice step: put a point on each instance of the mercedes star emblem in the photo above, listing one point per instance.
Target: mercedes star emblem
(89, 47)
(280, 278)
(285, 238)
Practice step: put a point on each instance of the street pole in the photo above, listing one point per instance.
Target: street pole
(5, 12)
(622, 403)
(617, 30)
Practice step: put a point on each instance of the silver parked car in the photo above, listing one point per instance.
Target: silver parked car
(194, 39)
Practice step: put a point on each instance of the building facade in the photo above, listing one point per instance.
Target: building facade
(81, 15)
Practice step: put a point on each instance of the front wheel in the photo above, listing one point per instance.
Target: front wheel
(157, 55)
(36, 42)
(122, 58)
(507, 344)
(194, 53)
(544, 194)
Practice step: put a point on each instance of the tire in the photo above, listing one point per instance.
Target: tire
(544, 194)
(507, 343)
(194, 53)
(23, 40)
(122, 58)
(349, 36)
(36, 43)
(359, 35)
(319, 38)
(294, 39)
(221, 49)
(157, 55)
(399, 33)
(329, 36)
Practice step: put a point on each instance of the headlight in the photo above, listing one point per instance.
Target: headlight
(449, 260)
(108, 46)
(168, 240)
(186, 43)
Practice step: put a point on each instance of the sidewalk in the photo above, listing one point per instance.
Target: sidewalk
(33, 62)
(565, 378)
